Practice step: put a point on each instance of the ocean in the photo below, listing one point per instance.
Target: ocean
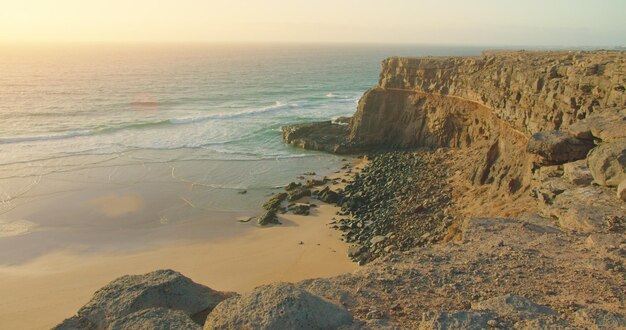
(188, 127)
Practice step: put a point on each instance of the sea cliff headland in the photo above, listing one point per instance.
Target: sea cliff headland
(493, 196)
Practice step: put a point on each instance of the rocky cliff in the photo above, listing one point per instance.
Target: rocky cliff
(533, 91)
(512, 112)
(451, 100)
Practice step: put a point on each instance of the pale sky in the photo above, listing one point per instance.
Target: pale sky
(480, 22)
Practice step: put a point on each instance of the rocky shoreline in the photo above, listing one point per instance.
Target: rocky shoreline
(493, 196)
(400, 201)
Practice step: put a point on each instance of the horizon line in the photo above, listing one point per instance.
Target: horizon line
(305, 43)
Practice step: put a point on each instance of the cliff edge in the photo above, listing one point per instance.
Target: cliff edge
(510, 116)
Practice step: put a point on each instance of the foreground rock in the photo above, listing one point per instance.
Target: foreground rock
(323, 136)
(159, 297)
(607, 163)
(506, 274)
(278, 306)
(155, 318)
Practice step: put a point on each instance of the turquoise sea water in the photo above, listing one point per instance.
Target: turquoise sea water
(183, 128)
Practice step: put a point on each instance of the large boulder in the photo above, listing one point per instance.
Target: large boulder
(607, 163)
(278, 306)
(558, 147)
(155, 318)
(607, 125)
(134, 293)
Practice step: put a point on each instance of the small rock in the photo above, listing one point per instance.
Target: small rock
(377, 239)
(267, 218)
(242, 192)
(292, 186)
(621, 190)
(300, 208)
(298, 193)
(274, 202)
(329, 196)
(354, 250)
(315, 182)
(374, 315)
(578, 173)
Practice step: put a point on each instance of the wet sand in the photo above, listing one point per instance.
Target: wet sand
(43, 291)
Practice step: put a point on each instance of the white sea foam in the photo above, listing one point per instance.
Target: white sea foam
(9, 228)
(46, 137)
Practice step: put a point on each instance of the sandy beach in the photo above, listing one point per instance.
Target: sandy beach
(42, 292)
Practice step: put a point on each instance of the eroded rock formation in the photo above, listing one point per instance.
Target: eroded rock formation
(515, 112)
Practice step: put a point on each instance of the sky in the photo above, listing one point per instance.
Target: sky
(460, 22)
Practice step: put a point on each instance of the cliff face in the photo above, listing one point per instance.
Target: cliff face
(532, 91)
(510, 114)
(495, 101)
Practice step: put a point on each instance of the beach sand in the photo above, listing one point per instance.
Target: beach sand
(42, 292)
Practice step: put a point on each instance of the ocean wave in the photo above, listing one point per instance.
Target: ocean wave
(340, 97)
(46, 137)
(278, 106)
(230, 115)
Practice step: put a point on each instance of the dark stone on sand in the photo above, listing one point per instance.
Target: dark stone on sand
(300, 208)
(316, 182)
(274, 202)
(292, 186)
(268, 218)
(327, 195)
(298, 193)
